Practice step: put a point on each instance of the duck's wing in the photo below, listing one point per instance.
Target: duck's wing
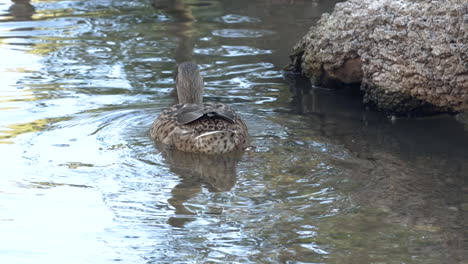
(191, 112)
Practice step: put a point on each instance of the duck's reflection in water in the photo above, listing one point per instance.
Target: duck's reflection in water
(217, 172)
(22, 10)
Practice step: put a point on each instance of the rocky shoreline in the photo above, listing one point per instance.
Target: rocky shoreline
(408, 57)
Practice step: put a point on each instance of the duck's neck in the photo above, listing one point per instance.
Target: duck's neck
(189, 84)
(190, 95)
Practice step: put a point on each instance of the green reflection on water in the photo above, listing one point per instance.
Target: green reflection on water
(47, 185)
(76, 165)
(14, 130)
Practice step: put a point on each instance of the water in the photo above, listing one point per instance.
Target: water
(326, 181)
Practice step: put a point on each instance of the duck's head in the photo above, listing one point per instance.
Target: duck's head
(189, 83)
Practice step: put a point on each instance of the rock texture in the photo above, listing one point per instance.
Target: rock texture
(409, 56)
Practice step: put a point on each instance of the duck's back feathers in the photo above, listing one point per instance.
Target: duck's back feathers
(206, 128)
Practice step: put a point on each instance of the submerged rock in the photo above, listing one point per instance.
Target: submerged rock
(408, 56)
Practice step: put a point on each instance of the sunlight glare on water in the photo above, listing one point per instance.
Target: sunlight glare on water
(325, 181)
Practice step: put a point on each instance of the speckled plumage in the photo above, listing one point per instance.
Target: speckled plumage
(194, 126)
(216, 128)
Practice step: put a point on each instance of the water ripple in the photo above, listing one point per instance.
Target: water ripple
(237, 19)
(242, 33)
(232, 51)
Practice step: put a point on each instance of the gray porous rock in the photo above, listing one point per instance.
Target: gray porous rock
(409, 56)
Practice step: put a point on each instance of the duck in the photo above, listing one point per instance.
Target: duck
(196, 126)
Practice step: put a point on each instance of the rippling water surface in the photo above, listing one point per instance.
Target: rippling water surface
(326, 181)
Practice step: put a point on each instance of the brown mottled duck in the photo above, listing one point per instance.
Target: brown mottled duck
(194, 126)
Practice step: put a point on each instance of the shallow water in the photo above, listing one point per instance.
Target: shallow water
(326, 181)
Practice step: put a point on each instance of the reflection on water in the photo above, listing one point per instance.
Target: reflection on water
(182, 26)
(413, 177)
(21, 10)
(328, 181)
(217, 172)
